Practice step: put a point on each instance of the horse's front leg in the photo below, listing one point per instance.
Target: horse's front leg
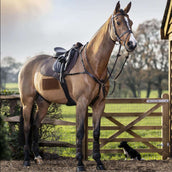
(81, 110)
(98, 109)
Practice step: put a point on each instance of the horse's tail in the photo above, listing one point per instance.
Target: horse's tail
(21, 127)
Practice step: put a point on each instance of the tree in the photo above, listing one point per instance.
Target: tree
(9, 70)
(154, 54)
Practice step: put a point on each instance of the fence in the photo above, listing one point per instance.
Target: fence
(114, 128)
(130, 127)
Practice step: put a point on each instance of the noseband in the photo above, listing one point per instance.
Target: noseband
(128, 32)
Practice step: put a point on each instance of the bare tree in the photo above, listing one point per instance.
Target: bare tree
(154, 52)
(147, 66)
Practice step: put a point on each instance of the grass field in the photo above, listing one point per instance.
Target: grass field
(68, 132)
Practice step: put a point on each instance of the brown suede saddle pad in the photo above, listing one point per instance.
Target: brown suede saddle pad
(47, 67)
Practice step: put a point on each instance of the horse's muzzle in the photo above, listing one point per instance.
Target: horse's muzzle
(131, 46)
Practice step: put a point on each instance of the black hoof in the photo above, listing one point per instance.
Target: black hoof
(100, 167)
(26, 163)
(80, 168)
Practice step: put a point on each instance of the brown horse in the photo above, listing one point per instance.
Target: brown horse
(83, 88)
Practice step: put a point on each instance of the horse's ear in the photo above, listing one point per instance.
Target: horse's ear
(117, 8)
(127, 8)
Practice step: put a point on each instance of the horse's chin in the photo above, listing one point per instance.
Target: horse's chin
(129, 50)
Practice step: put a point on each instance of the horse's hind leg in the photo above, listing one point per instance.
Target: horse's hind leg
(42, 108)
(27, 110)
(98, 109)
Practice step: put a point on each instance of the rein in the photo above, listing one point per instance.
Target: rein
(122, 67)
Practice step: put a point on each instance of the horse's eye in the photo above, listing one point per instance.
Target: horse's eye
(118, 23)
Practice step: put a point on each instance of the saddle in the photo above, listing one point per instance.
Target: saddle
(60, 65)
(64, 59)
(59, 51)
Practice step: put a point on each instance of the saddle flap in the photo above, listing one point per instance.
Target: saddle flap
(57, 66)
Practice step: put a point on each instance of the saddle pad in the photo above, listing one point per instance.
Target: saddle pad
(50, 84)
(46, 68)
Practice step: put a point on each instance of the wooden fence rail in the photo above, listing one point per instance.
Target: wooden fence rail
(117, 127)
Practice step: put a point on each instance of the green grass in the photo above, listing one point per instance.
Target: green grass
(69, 131)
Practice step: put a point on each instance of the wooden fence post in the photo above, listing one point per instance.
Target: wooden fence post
(165, 128)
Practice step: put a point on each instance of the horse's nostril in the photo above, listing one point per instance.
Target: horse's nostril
(131, 46)
(130, 43)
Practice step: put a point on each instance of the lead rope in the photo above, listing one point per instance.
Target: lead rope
(119, 73)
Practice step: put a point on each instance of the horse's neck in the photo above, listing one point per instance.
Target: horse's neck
(99, 50)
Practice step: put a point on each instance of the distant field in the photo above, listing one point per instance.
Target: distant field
(12, 87)
(153, 94)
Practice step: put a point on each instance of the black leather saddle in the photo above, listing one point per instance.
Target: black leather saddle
(59, 51)
(64, 57)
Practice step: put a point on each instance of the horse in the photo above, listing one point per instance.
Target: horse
(86, 89)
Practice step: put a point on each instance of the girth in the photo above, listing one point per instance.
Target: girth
(61, 64)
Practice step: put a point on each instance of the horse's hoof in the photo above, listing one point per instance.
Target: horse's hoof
(80, 168)
(100, 167)
(26, 163)
(38, 160)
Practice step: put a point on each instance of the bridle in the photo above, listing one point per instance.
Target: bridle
(128, 32)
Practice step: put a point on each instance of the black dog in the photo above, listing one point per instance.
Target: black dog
(129, 151)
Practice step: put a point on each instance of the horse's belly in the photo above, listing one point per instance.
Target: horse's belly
(49, 88)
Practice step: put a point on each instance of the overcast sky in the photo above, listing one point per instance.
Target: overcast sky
(31, 27)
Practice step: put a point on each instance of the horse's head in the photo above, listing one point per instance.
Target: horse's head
(121, 28)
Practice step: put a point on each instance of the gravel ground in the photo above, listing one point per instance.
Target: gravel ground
(62, 164)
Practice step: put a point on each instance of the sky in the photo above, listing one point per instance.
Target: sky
(32, 27)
